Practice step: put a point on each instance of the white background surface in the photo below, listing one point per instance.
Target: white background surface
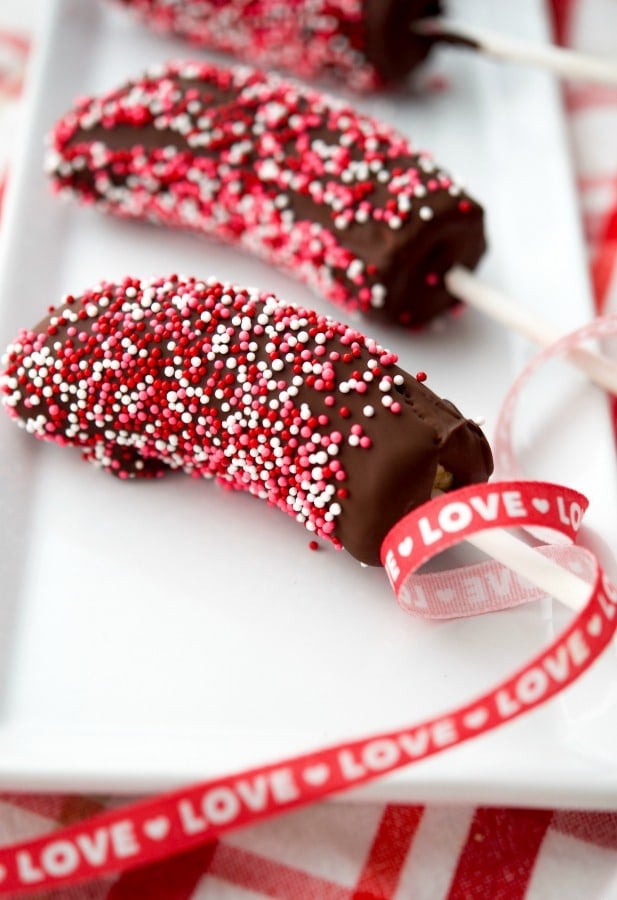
(159, 633)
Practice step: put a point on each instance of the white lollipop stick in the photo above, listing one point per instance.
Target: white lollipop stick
(544, 573)
(534, 567)
(541, 571)
(562, 62)
(461, 283)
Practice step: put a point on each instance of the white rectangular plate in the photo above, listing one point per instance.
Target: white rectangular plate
(155, 634)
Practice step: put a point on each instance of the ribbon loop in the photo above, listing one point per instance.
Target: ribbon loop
(450, 518)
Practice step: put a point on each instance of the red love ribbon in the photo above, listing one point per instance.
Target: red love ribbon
(175, 822)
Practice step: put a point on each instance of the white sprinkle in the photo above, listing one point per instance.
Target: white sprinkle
(355, 268)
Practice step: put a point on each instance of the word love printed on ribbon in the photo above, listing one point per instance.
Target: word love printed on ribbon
(176, 822)
(449, 519)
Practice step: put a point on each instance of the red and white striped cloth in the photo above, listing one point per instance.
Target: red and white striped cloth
(591, 26)
(347, 851)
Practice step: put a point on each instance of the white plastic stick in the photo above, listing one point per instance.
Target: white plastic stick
(541, 571)
(526, 561)
(549, 576)
(562, 62)
(461, 283)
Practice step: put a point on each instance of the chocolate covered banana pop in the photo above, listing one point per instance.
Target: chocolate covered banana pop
(365, 43)
(288, 173)
(225, 383)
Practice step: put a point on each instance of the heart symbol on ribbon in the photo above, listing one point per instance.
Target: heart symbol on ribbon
(594, 626)
(316, 775)
(406, 546)
(157, 829)
(476, 718)
(541, 504)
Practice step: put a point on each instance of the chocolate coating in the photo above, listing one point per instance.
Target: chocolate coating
(301, 179)
(368, 44)
(392, 48)
(220, 382)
